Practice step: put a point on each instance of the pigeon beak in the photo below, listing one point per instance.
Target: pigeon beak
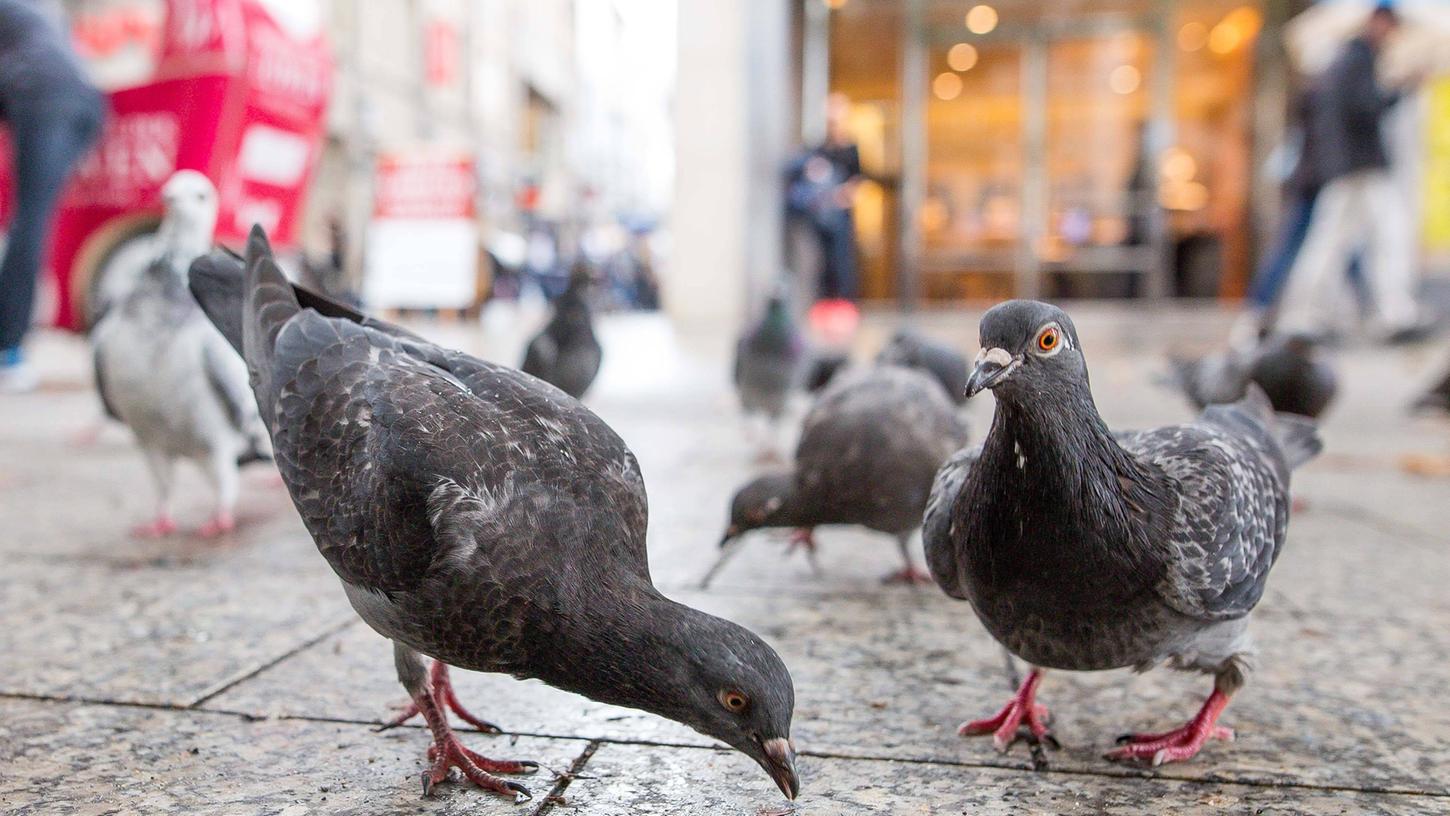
(731, 533)
(994, 365)
(780, 764)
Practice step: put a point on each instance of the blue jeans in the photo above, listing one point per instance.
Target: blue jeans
(1273, 272)
(47, 142)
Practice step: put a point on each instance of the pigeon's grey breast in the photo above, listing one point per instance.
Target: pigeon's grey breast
(871, 445)
(166, 372)
(466, 507)
(767, 367)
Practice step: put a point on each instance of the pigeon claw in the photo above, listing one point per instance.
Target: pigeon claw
(442, 687)
(1022, 709)
(448, 753)
(218, 525)
(910, 576)
(159, 527)
(1180, 744)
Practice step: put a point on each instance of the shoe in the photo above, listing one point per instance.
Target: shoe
(16, 377)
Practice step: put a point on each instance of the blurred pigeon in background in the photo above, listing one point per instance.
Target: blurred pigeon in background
(868, 450)
(822, 365)
(566, 354)
(768, 360)
(914, 350)
(485, 519)
(1287, 367)
(1084, 550)
(164, 370)
(1436, 397)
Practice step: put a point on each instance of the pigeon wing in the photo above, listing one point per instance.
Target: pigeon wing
(1231, 518)
(936, 539)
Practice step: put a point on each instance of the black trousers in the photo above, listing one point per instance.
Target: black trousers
(47, 142)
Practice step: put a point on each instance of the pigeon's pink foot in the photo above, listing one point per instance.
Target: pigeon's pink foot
(447, 752)
(1021, 709)
(443, 689)
(218, 525)
(1298, 504)
(159, 527)
(1181, 743)
(801, 538)
(907, 575)
(88, 436)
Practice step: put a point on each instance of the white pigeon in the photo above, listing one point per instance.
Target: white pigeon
(167, 373)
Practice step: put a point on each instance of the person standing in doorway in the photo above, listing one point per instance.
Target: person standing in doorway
(821, 187)
(54, 114)
(1359, 202)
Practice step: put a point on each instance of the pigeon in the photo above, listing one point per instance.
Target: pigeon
(913, 350)
(164, 370)
(485, 519)
(1085, 550)
(566, 354)
(823, 365)
(1434, 398)
(768, 361)
(868, 450)
(1286, 366)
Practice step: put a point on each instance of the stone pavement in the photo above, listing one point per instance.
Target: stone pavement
(230, 677)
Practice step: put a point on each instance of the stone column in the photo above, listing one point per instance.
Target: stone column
(732, 138)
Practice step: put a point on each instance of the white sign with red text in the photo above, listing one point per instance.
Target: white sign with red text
(422, 242)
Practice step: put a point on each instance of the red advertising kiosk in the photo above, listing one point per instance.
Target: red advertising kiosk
(237, 94)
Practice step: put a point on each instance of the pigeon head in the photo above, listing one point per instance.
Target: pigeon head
(1029, 349)
(190, 201)
(763, 502)
(734, 687)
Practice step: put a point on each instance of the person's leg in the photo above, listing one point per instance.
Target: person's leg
(845, 250)
(1391, 253)
(1273, 273)
(828, 288)
(45, 148)
(1319, 270)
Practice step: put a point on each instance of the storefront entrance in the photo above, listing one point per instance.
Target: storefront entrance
(1029, 149)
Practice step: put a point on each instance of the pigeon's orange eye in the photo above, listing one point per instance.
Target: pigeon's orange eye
(1048, 340)
(734, 701)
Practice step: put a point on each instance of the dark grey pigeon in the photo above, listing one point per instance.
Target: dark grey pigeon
(483, 518)
(1084, 550)
(914, 350)
(1287, 367)
(823, 365)
(1436, 397)
(867, 453)
(566, 354)
(768, 361)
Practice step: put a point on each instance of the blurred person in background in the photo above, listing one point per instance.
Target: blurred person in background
(820, 188)
(1358, 199)
(54, 114)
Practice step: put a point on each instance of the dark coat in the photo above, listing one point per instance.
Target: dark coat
(1344, 125)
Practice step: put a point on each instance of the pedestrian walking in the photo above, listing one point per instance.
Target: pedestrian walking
(54, 114)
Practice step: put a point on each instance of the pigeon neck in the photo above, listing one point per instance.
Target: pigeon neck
(628, 650)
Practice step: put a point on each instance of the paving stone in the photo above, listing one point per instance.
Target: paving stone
(629, 780)
(152, 634)
(84, 760)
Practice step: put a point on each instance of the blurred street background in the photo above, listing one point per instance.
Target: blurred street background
(1151, 165)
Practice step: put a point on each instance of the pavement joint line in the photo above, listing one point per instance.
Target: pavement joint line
(556, 793)
(1376, 521)
(598, 742)
(226, 685)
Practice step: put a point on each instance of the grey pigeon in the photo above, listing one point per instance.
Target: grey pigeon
(164, 370)
(1084, 550)
(914, 350)
(1436, 397)
(1287, 367)
(768, 361)
(483, 518)
(868, 450)
(822, 366)
(566, 354)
